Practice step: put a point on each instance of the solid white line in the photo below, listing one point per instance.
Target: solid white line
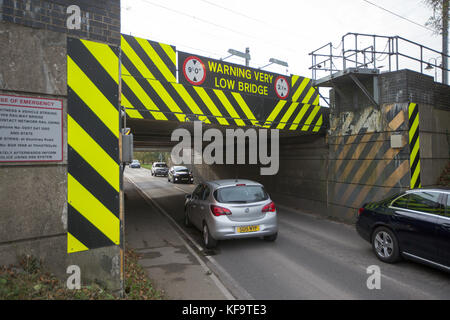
(215, 279)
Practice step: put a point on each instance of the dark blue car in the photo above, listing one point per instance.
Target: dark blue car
(414, 225)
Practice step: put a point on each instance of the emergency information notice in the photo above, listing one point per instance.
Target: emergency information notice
(31, 129)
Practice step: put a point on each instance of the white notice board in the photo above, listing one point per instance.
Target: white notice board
(31, 129)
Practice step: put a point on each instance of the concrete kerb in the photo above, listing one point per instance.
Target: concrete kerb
(215, 270)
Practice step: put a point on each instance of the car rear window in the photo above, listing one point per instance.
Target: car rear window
(160, 165)
(240, 194)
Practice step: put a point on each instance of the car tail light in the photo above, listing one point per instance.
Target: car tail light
(240, 185)
(219, 211)
(269, 207)
(361, 210)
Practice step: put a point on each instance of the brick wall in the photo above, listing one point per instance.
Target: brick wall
(100, 19)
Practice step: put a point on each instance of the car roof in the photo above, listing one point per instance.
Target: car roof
(442, 189)
(232, 182)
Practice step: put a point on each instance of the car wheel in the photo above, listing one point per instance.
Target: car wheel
(208, 241)
(385, 245)
(271, 238)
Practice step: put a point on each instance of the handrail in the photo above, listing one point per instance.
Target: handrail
(371, 56)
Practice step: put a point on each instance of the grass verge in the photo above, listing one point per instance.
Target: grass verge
(30, 281)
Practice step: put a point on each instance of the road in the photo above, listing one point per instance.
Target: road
(313, 258)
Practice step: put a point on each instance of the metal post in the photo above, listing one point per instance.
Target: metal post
(374, 58)
(331, 58)
(445, 7)
(396, 50)
(390, 50)
(421, 59)
(247, 60)
(343, 54)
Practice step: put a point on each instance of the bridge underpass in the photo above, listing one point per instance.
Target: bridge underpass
(301, 180)
(310, 258)
(158, 101)
(80, 198)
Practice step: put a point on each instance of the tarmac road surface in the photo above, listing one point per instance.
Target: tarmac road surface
(313, 258)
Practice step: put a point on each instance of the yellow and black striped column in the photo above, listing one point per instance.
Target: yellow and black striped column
(93, 179)
(414, 145)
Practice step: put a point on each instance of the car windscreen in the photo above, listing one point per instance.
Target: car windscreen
(182, 170)
(160, 165)
(240, 194)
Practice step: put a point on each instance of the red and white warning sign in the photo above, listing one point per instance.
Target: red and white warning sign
(31, 129)
(194, 70)
(281, 87)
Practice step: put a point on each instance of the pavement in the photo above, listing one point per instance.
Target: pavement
(171, 263)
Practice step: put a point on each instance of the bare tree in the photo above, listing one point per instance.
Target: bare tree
(435, 21)
(439, 23)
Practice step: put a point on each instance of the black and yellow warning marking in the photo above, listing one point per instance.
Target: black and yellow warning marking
(295, 116)
(364, 167)
(414, 145)
(93, 179)
(302, 90)
(150, 91)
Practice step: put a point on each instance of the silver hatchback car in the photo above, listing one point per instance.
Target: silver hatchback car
(229, 209)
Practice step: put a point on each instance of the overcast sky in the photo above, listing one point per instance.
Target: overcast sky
(283, 29)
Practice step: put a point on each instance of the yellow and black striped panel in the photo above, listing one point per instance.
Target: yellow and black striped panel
(364, 167)
(289, 115)
(150, 91)
(159, 100)
(414, 145)
(302, 90)
(93, 179)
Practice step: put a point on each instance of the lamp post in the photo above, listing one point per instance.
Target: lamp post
(245, 55)
(275, 61)
(435, 66)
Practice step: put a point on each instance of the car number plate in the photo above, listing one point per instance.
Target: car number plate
(247, 229)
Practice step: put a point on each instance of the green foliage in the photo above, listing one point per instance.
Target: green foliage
(150, 157)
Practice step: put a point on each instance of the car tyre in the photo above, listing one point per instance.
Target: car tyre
(385, 245)
(208, 241)
(271, 238)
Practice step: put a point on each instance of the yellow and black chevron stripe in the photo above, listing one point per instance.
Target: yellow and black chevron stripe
(302, 91)
(295, 116)
(364, 167)
(150, 91)
(414, 145)
(93, 179)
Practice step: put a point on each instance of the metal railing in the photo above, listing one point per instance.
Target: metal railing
(363, 51)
